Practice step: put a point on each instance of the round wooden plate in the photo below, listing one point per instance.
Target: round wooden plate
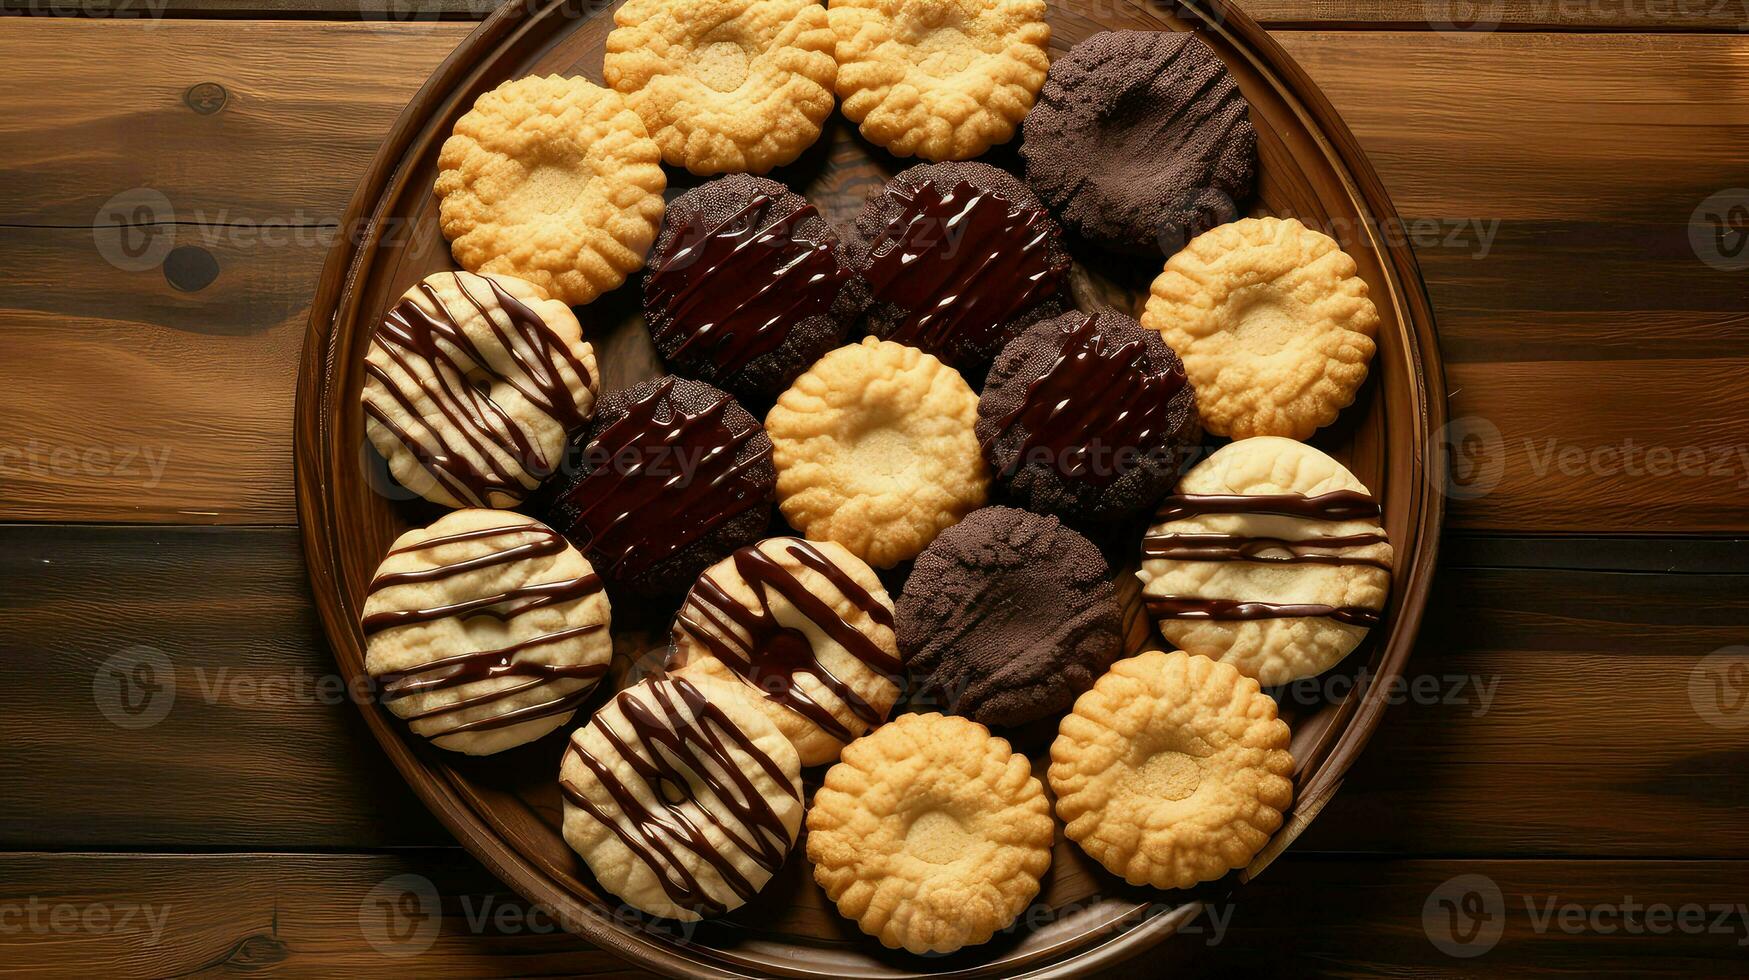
(506, 808)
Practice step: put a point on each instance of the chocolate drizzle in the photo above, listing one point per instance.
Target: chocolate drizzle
(677, 737)
(768, 654)
(729, 296)
(962, 264)
(533, 540)
(658, 487)
(1096, 396)
(437, 355)
(1337, 505)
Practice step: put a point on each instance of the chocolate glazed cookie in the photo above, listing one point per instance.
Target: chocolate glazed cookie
(1141, 141)
(745, 287)
(1087, 416)
(1008, 616)
(672, 476)
(955, 259)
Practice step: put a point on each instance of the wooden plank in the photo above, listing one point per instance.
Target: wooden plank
(438, 914)
(1587, 340)
(1549, 711)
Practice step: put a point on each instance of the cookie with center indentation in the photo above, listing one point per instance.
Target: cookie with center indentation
(485, 630)
(681, 797)
(725, 85)
(1268, 556)
(808, 626)
(939, 79)
(931, 834)
(1273, 323)
(471, 384)
(875, 450)
(552, 180)
(1172, 770)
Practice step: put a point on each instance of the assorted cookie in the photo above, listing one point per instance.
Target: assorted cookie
(978, 374)
(1141, 141)
(939, 79)
(809, 626)
(1088, 416)
(552, 180)
(725, 85)
(1273, 323)
(1007, 616)
(875, 450)
(746, 286)
(682, 797)
(485, 630)
(931, 834)
(672, 476)
(1269, 556)
(471, 384)
(1172, 770)
(955, 259)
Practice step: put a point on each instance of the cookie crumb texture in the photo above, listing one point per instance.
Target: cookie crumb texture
(725, 85)
(931, 834)
(552, 180)
(874, 450)
(1008, 616)
(1173, 770)
(1141, 140)
(939, 79)
(1274, 325)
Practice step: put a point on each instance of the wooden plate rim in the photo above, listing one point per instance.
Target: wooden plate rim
(336, 297)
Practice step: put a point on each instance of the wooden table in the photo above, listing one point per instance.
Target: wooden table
(185, 786)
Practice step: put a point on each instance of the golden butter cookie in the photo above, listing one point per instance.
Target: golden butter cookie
(931, 833)
(1269, 556)
(681, 796)
(725, 85)
(1274, 326)
(471, 386)
(552, 180)
(809, 626)
(875, 450)
(1172, 770)
(486, 630)
(939, 79)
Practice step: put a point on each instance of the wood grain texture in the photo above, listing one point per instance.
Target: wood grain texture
(437, 914)
(1498, 752)
(1583, 327)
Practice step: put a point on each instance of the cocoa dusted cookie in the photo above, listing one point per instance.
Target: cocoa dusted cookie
(672, 477)
(1087, 416)
(1141, 141)
(955, 259)
(1008, 616)
(745, 288)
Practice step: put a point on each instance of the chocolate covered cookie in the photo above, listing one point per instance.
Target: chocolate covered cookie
(955, 259)
(745, 288)
(1087, 416)
(1007, 616)
(1141, 141)
(672, 476)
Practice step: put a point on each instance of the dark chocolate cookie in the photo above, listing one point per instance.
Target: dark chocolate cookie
(1007, 616)
(745, 286)
(1089, 417)
(1141, 141)
(955, 259)
(672, 476)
